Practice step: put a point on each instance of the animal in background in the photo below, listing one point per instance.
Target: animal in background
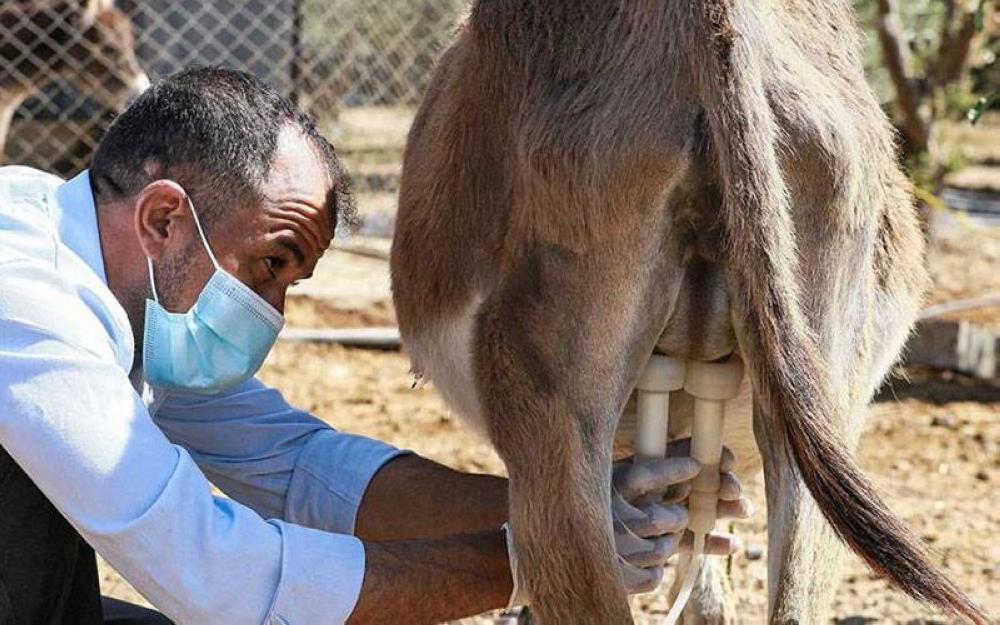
(90, 43)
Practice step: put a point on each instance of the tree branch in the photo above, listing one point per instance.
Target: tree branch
(948, 23)
(956, 46)
(896, 57)
(947, 26)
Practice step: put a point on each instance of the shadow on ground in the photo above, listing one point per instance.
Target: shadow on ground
(937, 387)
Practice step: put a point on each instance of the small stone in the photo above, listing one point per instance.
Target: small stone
(945, 421)
(754, 551)
(983, 476)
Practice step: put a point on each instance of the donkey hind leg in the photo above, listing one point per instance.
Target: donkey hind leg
(804, 554)
(863, 331)
(558, 347)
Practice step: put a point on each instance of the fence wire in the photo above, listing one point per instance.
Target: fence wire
(67, 66)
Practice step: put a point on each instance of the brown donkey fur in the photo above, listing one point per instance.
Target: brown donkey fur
(88, 42)
(588, 181)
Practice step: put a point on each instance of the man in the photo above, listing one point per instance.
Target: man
(136, 303)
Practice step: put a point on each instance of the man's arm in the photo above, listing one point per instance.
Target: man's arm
(463, 560)
(285, 463)
(415, 498)
(281, 461)
(433, 546)
(461, 565)
(70, 419)
(436, 580)
(442, 542)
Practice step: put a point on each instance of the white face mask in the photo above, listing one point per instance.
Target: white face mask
(222, 341)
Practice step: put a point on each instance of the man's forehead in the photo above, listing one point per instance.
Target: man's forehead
(297, 172)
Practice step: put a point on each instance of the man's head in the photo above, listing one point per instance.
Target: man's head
(268, 189)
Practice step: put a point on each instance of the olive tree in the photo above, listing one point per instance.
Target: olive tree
(924, 57)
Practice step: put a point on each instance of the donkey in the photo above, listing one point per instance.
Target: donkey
(88, 42)
(589, 181)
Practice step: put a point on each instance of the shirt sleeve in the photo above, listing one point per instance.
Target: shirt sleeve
(279, 460)
(72, 421)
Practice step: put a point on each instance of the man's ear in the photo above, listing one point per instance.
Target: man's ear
(161, 216)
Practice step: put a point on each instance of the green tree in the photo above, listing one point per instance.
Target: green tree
(927, 58)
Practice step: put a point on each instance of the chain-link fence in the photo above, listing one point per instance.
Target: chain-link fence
(67, 65)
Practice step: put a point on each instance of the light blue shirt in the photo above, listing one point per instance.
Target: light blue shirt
(128, 469)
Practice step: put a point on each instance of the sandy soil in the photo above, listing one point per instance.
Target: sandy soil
(965, 263)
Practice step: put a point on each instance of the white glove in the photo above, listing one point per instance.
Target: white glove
(648, 533)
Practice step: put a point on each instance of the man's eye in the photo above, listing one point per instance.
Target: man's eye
(273, 265)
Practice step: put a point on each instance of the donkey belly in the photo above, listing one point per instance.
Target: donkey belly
(442, 353)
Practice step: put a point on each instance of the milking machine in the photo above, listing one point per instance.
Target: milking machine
(711, 384)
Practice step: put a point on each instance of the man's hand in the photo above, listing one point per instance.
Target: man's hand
(648, 533)
(444, 558)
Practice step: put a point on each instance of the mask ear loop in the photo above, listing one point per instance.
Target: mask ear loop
(152, 280)
(201, 233)
(204, 240)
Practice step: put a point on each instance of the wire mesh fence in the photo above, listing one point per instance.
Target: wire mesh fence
(67, 65)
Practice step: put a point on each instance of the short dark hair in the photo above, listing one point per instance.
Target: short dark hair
(214, 131)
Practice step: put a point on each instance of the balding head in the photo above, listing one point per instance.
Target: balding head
(215, 132)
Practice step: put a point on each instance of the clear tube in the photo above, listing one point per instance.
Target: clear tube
(690, 577)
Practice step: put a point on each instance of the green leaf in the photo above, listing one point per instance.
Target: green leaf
(981, 16)
(976, 112)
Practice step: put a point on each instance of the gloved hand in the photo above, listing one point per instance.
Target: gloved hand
(647, 534)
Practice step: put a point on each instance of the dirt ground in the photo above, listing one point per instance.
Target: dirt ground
(932, 443)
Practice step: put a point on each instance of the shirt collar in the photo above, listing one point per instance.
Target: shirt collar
(76, 214)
